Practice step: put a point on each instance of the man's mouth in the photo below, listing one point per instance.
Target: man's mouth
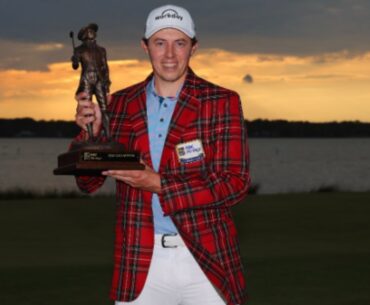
(169, 65)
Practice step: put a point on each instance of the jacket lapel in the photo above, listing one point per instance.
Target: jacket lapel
(139, 120)
(186, 110)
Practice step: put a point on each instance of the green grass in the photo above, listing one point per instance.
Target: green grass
(298, 249)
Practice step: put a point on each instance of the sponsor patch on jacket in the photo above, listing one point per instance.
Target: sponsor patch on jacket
(190, 151)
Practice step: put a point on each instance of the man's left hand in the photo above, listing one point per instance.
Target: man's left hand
(146, 180)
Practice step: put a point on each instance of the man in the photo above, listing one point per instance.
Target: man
(94, 70)
(176, 241)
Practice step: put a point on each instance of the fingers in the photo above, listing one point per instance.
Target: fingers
(123, 173)
(131, 177)
(84, 102)
(85, 114)
(88, 112)
(82, 96)
(85, 111)
(124, 176)
(147, 167)
(146, 180)
(84, 120)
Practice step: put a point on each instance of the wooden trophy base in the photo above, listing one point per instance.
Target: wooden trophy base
(90, 159)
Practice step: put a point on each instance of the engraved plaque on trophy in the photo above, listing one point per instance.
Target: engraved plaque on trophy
(93, 156)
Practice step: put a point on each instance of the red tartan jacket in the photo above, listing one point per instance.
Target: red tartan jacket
(196, 195)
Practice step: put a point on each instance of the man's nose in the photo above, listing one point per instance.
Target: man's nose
(169, 50)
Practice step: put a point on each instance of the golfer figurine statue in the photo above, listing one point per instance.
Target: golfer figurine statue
(94, 72)
(93, 156)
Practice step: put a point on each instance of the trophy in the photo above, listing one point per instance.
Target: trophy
(94, 156)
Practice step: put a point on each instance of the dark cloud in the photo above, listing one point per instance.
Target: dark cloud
(334, 57)
(31, 56)
(248, 79)
(307, 27)
(326, 76)
(267, 58)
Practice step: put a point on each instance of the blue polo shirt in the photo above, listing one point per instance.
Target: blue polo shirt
(159, 112)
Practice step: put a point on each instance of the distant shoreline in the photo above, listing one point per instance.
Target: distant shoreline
(30, 128)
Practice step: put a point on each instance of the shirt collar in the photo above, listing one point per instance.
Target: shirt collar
(151, 91)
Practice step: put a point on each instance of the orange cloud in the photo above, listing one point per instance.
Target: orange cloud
(49, 94)
(317, 88)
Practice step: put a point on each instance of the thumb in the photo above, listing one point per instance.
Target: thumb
(146, 165)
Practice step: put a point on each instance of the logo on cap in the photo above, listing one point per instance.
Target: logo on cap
(169, 13)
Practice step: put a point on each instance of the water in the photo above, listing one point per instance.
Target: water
(294, 165)
(29, 164)
(277, 165)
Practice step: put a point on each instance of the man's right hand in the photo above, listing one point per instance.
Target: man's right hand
(88, 112)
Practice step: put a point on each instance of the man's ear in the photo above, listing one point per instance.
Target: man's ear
(144, 46)
(194, 48)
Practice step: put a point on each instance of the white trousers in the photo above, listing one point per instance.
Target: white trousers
(175, 278)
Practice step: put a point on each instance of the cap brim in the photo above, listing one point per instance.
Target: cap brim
(149, 34)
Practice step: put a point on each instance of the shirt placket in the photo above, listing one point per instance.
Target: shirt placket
(160, 126)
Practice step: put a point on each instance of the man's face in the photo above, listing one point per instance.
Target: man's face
(169, 51)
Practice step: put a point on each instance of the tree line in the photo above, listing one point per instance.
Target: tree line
(27, 127)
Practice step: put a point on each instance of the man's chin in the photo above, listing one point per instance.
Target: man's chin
(172, 77)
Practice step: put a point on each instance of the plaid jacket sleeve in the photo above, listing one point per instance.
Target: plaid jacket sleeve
(222, 178)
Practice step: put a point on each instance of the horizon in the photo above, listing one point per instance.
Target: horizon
(245, 119)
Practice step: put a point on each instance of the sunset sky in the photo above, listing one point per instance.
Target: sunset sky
(296, 60)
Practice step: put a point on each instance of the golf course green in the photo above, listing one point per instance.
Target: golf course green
(298, 249)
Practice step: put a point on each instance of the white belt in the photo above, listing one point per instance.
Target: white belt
(169, 240)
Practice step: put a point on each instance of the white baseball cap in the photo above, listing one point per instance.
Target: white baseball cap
(169, 16)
